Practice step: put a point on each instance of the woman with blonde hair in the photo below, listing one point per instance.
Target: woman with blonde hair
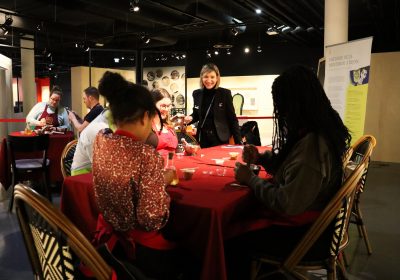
(213, 110)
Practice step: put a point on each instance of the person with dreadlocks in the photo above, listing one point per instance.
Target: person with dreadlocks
(309, 141)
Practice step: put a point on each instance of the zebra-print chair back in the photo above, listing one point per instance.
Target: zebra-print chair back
(55, 246)
(67, 157)
(338, 212)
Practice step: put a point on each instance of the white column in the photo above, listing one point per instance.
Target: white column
(336, 23)
(28, 73)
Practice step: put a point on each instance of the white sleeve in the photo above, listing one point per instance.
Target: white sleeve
(35, 113)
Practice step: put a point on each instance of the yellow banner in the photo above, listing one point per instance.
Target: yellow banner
(356, 104)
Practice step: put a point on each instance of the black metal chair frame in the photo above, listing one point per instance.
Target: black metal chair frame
(27, 166)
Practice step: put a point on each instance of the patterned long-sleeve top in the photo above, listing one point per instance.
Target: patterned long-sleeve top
(129, 183)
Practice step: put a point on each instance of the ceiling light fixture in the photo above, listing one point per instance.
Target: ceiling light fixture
(134, 6)
(259, 49)
(258, 11)
(6, 26)
(145, 39)
(246, 49)
(234, 31)
(286, 29)
(272, 31)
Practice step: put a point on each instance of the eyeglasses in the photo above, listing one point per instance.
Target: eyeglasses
(55, 99)
(165, 106)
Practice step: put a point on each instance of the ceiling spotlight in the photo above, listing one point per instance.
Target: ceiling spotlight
(258, 11)
(272, 31)
(234, 31)
(246, 49)
(259, 49)
(46, 53)
(86, 48)
(39, 27)
(6, 26)
(145, 39)
(228, 51)
(183, 55)
(134, 6)
(116, 59)
(286, 29)
(297, 30)
(208, 53)
(4, 30)
(310, 29)
(216, 52)
(8, 21)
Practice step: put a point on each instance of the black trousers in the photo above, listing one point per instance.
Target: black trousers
(278, 241)
(208, 138)
(166, 264)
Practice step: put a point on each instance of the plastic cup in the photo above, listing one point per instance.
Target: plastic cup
(188, 173)
(233, 155)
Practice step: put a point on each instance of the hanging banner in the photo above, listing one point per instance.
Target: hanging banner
(347, 70)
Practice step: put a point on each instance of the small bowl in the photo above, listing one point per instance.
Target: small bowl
(219, 161)
(191, 149)
(188, 173)
(233, 155)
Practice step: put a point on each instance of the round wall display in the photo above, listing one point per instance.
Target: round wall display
(175, 74)
(165, 81)
(150, 76)
(159, 73)
(180, 100)
(156, 84)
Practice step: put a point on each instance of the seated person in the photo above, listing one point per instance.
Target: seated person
(49, 114)
(308, 144)
(91, 100)
(129, 182)
(83, 156)
(162, 127)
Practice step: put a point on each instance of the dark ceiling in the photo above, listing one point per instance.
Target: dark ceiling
(181, 25)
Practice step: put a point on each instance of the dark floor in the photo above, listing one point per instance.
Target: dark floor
(380, 205)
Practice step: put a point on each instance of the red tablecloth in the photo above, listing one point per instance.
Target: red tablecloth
(56, 146)
(204, 211)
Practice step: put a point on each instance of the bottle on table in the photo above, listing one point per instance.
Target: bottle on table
(171, 166)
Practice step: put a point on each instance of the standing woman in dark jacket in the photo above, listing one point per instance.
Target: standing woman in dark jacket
(213, 110)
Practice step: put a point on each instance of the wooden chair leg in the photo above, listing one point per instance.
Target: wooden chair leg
(46, 182)
(342, 269)
(331, 269)
(344, 258)
(11, 202)
(360, 223)
(255, 266)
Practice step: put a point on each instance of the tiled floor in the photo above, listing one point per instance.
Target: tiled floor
(380, 205)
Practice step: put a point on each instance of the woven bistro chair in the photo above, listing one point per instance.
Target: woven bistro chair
(67, 157)
(362, 151)
(338, 212)
(54, 245)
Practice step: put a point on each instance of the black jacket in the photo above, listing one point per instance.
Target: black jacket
(225, 119)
